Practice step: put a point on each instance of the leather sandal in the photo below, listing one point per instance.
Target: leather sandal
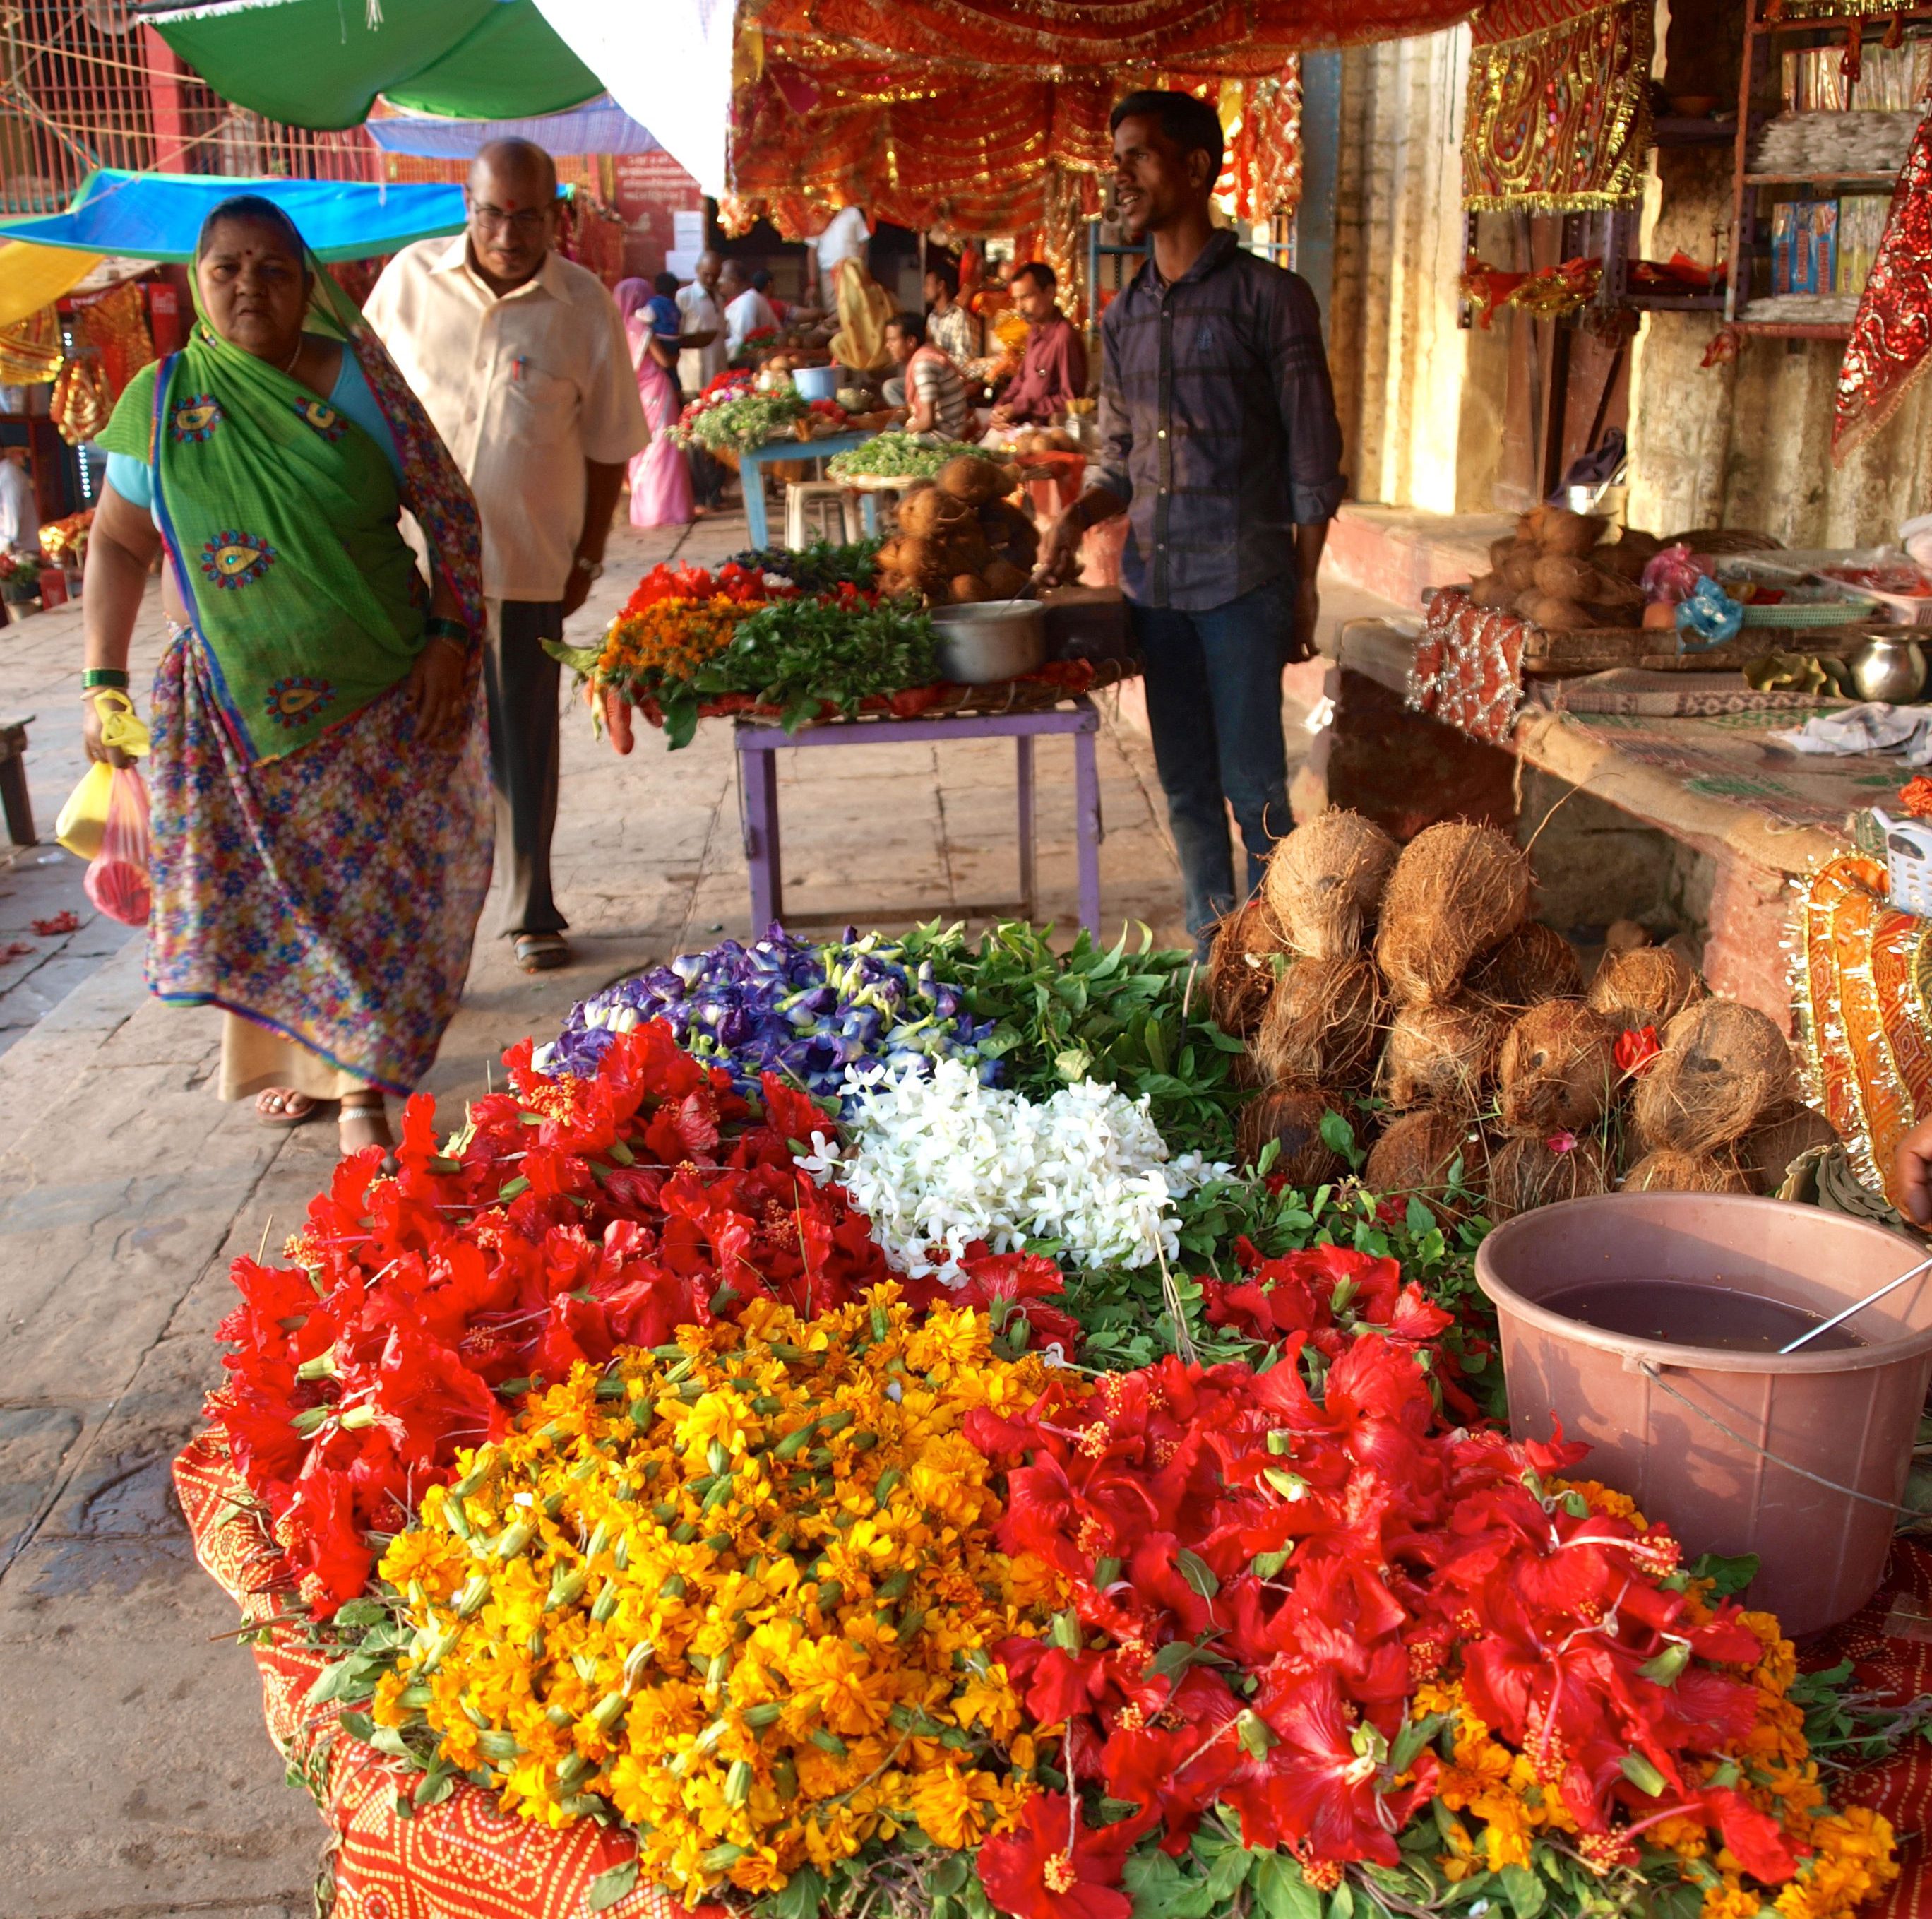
(540, 952)
(282, 1107)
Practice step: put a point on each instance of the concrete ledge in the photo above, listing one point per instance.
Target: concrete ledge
(1399, 554)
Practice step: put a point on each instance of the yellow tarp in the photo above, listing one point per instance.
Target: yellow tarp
(31, 276)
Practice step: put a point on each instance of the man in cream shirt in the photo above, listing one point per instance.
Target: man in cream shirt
(519, 358)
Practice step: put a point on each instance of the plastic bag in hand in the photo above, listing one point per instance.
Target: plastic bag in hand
(116, 879)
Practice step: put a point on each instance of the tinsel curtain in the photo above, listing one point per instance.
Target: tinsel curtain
(1559, 105)
(1237, 38)
(924, 145)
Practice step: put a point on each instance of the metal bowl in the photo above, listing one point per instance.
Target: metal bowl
(1891, 669)
(996, 639)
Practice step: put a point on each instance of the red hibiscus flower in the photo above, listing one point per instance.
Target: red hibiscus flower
(1636, 1046)
(1048, 1866)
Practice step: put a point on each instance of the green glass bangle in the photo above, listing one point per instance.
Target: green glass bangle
(440, 627)
(104, 676)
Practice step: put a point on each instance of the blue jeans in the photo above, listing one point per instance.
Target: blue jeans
(1214, 696)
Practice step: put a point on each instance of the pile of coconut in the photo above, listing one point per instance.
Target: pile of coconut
(1410, 991)
(1558, 573)
(960, 538)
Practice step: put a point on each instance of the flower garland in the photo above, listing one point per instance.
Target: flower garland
(741, 1593)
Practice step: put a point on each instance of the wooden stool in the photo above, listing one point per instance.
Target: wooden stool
(14, 797)
(813, 505)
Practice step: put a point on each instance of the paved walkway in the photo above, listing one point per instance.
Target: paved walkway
(133, 1767)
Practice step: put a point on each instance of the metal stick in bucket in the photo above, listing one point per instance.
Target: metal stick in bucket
(1871, 1298)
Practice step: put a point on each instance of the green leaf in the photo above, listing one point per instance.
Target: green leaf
(1197, 1573)
(1341, 1903)
(1730, 1575)
(352, 1678)
(614, 1883)
(800, 1897)
(1227, 1873)
(1339, 1136)
(1281, 1891)
(1524, 1890)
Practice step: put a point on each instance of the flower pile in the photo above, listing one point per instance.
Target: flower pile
(741, 1593)
(1379, 1651)
(571, 1218)
(677, 618)
(943, 1163)
(805, 1011)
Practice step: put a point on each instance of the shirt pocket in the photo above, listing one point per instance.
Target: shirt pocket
(540, 408)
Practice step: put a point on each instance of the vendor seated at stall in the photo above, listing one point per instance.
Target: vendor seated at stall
(1053, 371)
(761, 285)
(746, 310)
(927, 384)
(948, 326)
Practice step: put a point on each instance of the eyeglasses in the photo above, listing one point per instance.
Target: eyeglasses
(525, 221)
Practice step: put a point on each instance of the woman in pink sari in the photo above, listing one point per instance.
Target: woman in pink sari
(660, 479)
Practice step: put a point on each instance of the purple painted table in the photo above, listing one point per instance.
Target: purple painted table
(758, 790)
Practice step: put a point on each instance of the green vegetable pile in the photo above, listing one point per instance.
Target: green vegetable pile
(823, 567)
(801, 655)
(899, 456)
(741, 425)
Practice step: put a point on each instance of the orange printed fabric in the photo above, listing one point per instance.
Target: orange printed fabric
(462, 1859)
(1863, 1019)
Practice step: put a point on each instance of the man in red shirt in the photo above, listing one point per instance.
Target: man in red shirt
(1053, 372)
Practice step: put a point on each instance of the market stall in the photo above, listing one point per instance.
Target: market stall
(673, 1486)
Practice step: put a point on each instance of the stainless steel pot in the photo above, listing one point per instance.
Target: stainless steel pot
(997, 639)
(1893, 670)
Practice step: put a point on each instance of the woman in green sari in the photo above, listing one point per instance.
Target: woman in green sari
(319, 786)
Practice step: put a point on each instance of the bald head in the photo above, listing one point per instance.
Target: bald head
(512, 201)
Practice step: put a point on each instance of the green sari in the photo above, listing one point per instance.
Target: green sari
(282, 513)
(317, 869)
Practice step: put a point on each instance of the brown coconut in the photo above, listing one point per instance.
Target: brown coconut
(968, 590)
(1557, 1070)
(1525, 1174)
(1644, 986)
(1492, 590)
(1574, 534)
(1766, 1152)
(970, 478)
(1414, 1157)
(1567, 578)
(1457, 889)
(1243, 965)
(1667, 1172)
(932, 515)
(1518, 570)
(1625, 935)
(1724, 1069)
(1622, 561)
(1324, 1022)
(1553, 614)
(1292, 1114)
(1325, 880)
(1004, 579)
(1442, 1053)
(1535, 963)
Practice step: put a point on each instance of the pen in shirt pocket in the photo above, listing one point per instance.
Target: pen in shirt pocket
(519, 367)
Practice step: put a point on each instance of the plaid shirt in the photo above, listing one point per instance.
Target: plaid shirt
(1217, 426)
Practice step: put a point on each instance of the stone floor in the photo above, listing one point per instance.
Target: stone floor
(137, 1781)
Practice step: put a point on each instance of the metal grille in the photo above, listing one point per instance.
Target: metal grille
(83, 84)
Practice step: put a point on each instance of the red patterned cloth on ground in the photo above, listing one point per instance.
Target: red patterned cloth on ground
(1468, 670)
(1889, 1643)
(1888, 349)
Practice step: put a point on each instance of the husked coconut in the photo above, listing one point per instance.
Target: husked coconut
(1457, 889)
(1324, 881)
(1558, 1071)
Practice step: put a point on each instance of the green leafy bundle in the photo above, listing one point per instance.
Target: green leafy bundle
(743, 424)
(801, 656)
(900, 456)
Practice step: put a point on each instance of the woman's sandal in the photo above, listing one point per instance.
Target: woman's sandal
(281, 1106)
(540, 952)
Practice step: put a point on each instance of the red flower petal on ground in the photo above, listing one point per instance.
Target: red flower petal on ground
(1636, 1046)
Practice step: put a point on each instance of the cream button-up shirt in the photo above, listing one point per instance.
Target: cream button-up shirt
(523, 389)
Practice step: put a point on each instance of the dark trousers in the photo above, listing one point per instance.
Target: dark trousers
(1213, 697)
(522, 681)
(709, 478)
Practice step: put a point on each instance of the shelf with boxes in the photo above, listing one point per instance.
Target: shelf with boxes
(1824, 122)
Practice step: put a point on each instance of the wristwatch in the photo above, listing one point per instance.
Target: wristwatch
(593, 570)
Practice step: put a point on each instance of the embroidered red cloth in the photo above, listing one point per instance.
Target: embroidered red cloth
(1888, 349)
(1468, 669)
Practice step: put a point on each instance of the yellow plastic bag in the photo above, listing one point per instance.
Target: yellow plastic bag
(84, 817)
